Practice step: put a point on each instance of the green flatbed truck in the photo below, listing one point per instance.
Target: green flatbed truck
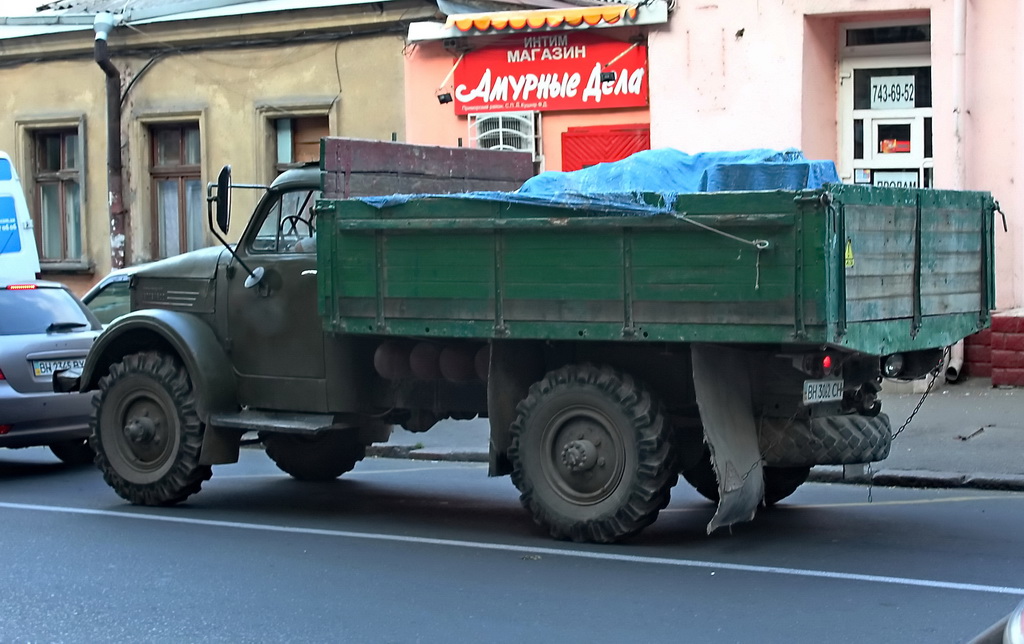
(735, 338)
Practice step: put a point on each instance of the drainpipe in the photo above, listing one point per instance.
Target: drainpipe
(959, 91)
(103, 24)
(956, 356)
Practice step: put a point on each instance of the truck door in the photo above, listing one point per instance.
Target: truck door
(276, 337)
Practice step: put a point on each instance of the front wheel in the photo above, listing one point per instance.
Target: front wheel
(591, 454)
(145, 430)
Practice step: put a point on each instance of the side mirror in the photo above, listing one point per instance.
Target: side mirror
(224, 199)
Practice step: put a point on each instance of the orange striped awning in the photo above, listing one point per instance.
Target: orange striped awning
(541, 18)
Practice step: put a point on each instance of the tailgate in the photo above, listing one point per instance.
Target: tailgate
(916, 266)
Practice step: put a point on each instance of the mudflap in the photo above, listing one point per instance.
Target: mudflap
(722, 378)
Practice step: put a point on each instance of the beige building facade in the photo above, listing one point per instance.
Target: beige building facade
(255, 90)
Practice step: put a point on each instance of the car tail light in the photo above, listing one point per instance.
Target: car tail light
(21, 287)
(5, 428)
(2, 374)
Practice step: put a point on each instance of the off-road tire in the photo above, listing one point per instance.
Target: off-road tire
(779, 482)
(145, 430)
(73, 452)
(825, 440)
(592, 454)
(323, 457)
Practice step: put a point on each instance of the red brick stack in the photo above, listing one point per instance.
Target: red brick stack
(1007, 342)
(978, 355)
(998, 352)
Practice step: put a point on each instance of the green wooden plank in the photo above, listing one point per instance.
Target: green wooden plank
(549, 291)
(715, 292)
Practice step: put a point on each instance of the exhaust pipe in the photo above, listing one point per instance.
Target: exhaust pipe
(956, 362)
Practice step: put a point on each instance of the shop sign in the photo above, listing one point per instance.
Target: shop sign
(551, 71)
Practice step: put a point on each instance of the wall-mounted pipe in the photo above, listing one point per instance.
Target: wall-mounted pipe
(959, 92)
(102, 25)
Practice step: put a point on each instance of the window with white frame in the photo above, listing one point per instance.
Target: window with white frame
(885, 107)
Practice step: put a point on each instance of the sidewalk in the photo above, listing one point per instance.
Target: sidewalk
(967, 434)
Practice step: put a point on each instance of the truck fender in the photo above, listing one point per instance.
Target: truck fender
(194, 343)
(514, 366)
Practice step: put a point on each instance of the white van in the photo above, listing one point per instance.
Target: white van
(19, 259)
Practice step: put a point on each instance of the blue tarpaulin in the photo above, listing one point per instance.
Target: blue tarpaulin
(628, 185)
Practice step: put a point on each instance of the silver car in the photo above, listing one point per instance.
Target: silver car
(109, 298)
(43, 328)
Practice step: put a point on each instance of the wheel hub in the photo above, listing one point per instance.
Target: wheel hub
(140, 430)
(579, 455)
(145, 432)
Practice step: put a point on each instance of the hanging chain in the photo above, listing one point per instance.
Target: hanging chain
(934, 373)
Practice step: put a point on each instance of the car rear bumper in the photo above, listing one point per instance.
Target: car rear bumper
(44, 418)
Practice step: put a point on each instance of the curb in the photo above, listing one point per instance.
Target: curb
(820, 474)
(920, 479)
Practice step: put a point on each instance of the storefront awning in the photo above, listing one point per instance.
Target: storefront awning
(541, 18)
(504, 22)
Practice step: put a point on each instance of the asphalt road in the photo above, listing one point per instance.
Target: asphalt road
(411, 551)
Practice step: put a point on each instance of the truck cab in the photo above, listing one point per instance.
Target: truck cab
(227, 340)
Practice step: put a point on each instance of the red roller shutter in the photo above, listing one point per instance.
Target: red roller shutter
(587, 146)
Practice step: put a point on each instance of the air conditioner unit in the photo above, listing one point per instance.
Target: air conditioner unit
(516, 131)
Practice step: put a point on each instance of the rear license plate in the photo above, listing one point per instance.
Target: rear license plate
(47, 367)
(819, 391)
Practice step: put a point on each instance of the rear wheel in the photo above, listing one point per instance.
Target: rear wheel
(322, 457)
(779, 482)
(591, 454)
(73, 452)
(145, 430)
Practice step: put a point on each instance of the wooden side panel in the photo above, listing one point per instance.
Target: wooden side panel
(879, 261)
(362, 167)
(951, 258)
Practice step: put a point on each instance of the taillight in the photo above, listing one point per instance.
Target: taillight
(1, 374)
(820, 365)
(5, 428)
(21, 287)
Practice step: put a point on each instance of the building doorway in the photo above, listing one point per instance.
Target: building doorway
(885, 105)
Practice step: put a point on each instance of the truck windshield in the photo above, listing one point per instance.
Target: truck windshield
(290, 226)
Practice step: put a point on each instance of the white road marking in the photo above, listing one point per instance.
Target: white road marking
(529, 550)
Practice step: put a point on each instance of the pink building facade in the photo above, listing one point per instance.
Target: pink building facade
(924, 93)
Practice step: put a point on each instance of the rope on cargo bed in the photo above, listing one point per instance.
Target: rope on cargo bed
(759, 244)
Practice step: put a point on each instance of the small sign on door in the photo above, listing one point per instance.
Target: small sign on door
(897, 179)
(892, 92)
